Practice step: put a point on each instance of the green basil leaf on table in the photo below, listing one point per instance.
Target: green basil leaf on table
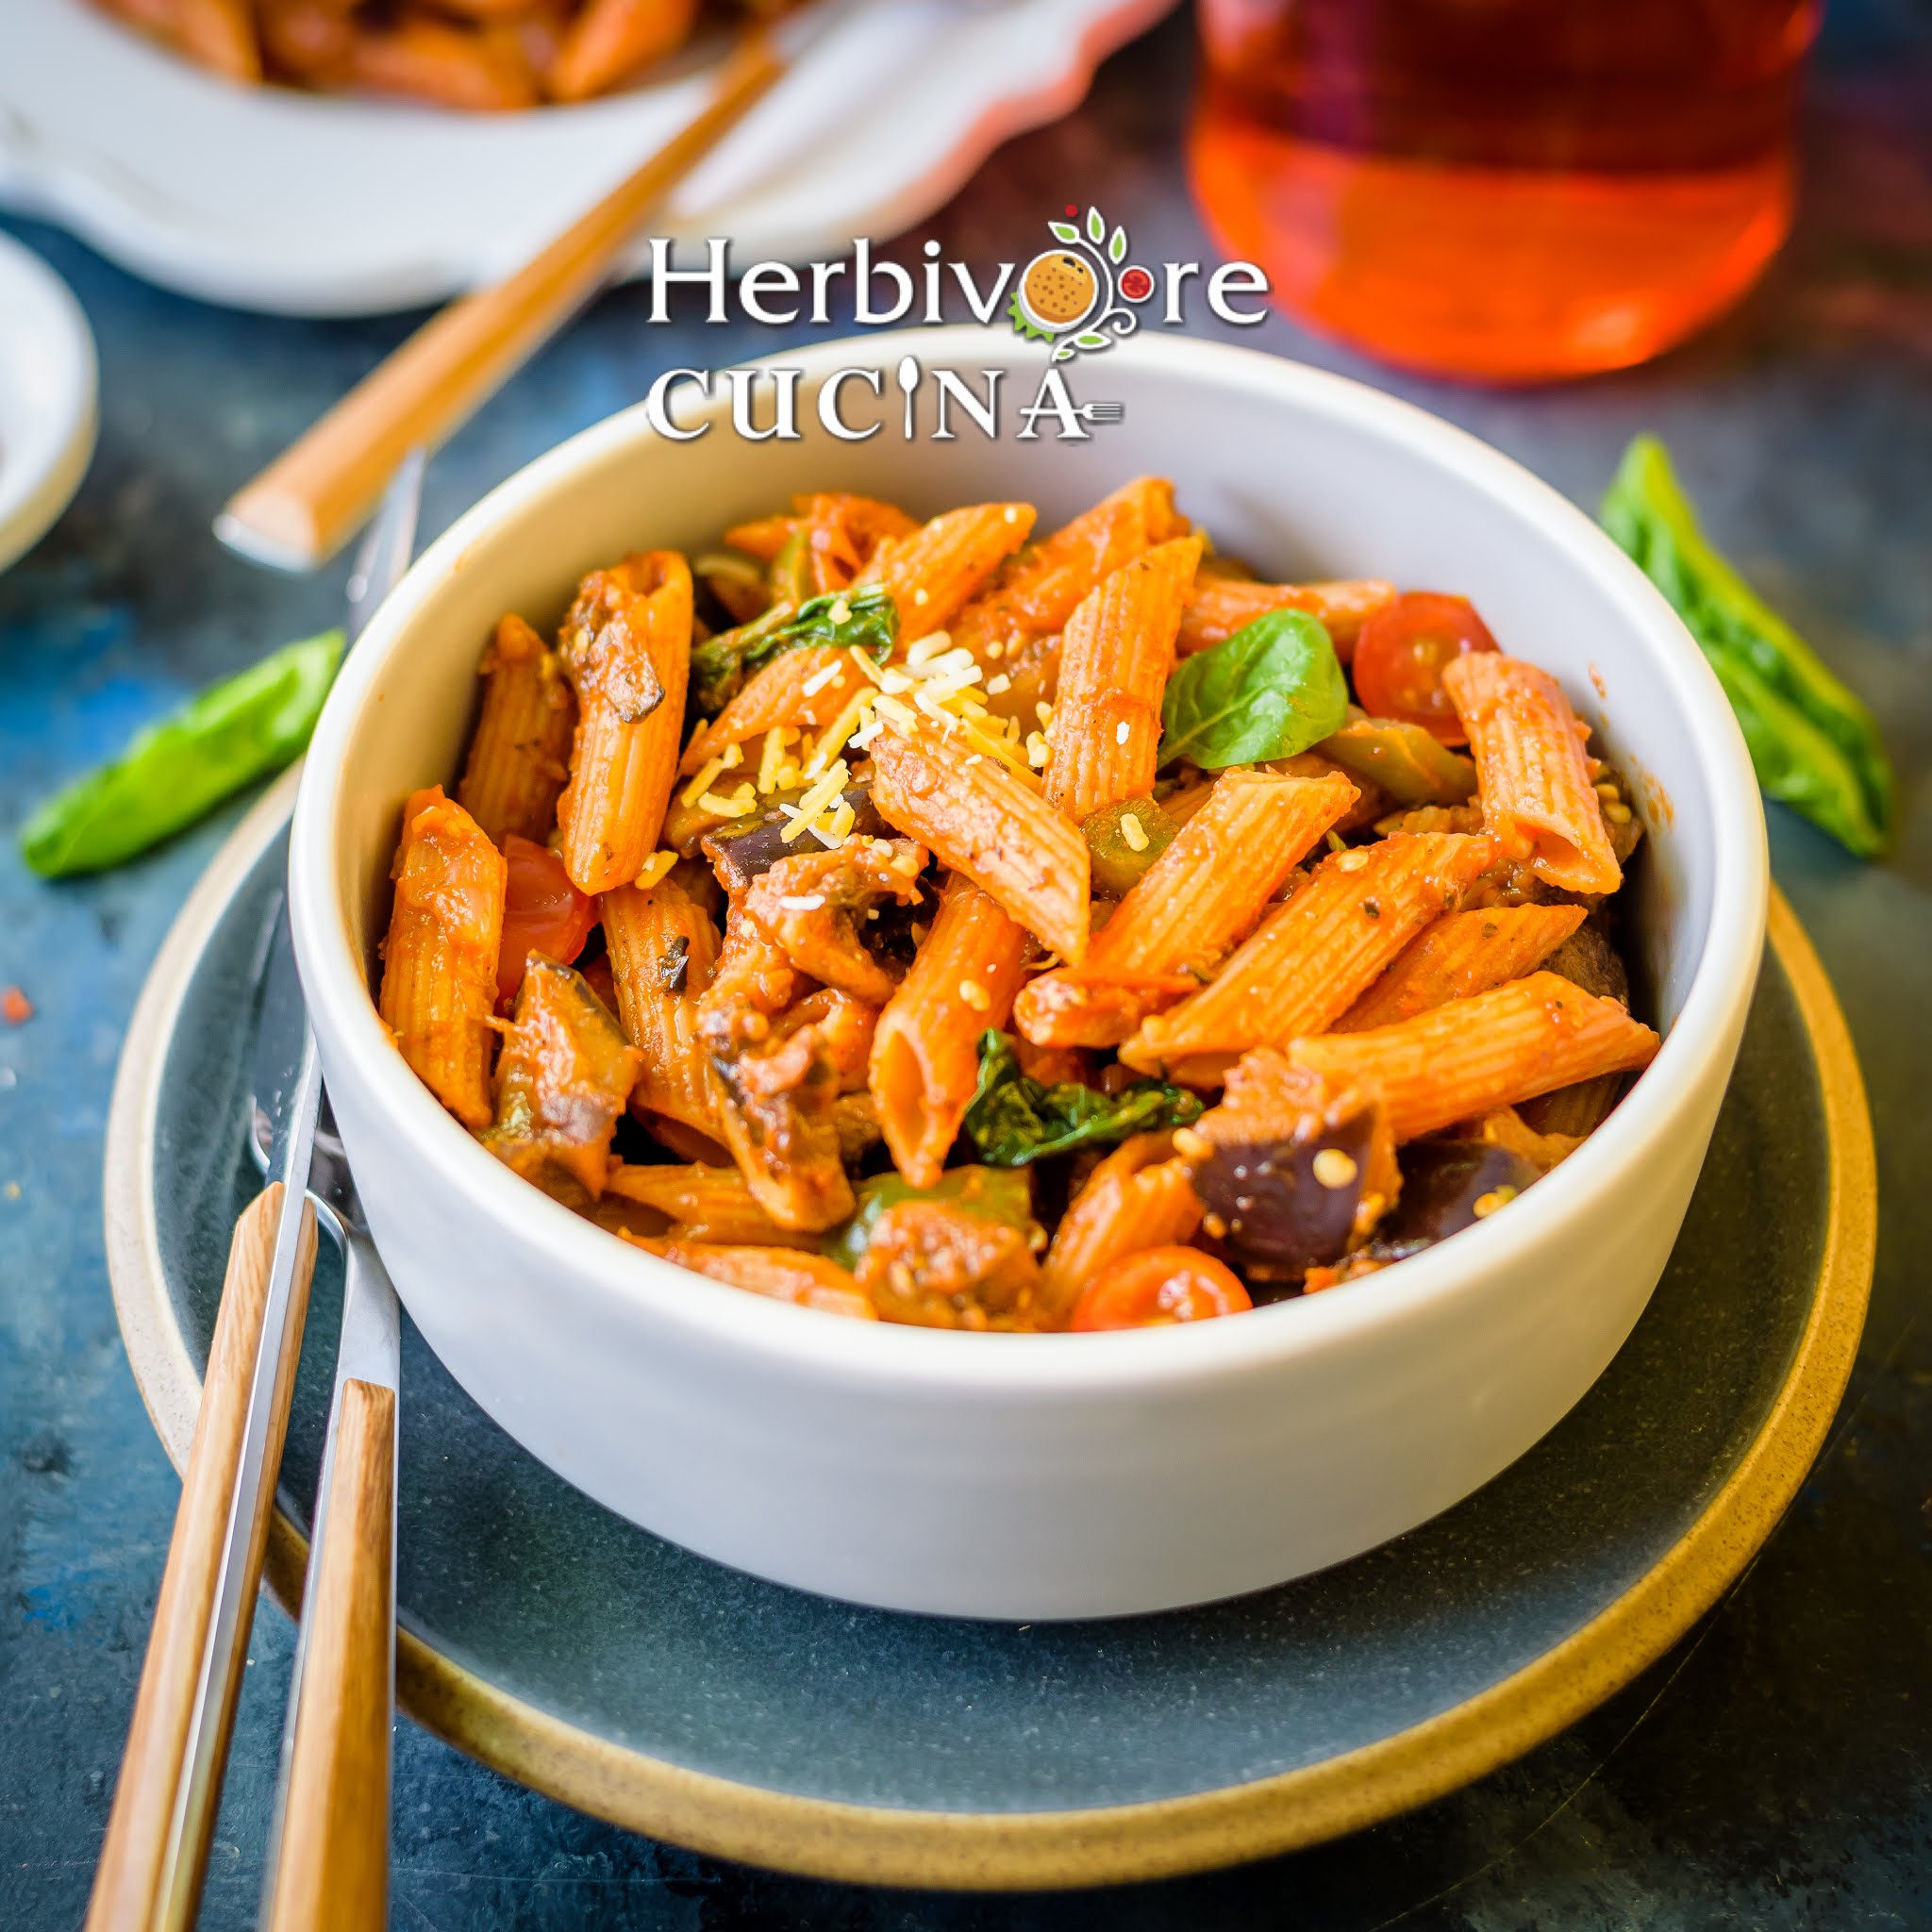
(175, 771)
(866, 620)
(995, 1194)
(1272, 690)
(1014, 1119)
(1814, 745)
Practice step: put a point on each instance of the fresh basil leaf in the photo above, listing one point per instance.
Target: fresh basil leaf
(1013, 1119)
(175, 771)
(1272, 690)
(995, 1194)
(1813, 744)
(865, 619)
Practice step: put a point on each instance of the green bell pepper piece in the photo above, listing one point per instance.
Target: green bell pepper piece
(1412, 765)
(1813, 744)
(175, 771)
(993, 1194)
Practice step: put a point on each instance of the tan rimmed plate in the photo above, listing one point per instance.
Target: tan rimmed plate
(620, 1675)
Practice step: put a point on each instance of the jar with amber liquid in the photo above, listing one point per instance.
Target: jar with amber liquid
(1509, 190)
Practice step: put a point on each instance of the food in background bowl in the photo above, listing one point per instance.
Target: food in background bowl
(1031, 935)
(1045, 1475)
(483, 55)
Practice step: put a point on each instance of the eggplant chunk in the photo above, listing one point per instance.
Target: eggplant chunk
(1448, 1186)
(740, 854)
(1284, 1206)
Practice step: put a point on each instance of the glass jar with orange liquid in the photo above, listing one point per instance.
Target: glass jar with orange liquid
(1512, 191)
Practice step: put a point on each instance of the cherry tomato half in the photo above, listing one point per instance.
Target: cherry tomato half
(1156, 1288)
(542, 912)
(1400, 655)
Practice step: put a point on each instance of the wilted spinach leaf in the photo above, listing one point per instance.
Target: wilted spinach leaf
(1013, 1119)
(866, 620)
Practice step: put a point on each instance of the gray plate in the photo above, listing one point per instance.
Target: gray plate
(628, 1676)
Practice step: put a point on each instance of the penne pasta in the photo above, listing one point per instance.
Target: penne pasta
(562, 1079)
(664, 949)
(1138, 1197)
(1217, 607)
(519, 756)
(808, 1281)
(1038, 590)
(439, 962)
(925, 1059)
(1532, 776)
(432, 59)
(1496, 1048)
(932, 572)
(1198, 898)
(626, 645)
(220, 34)
(979, 818)
(1104, 742)
(1460, 954)
(1308, 960)
(824, 917)
(778, 1080)
(810, 685)
(705, 1203)
(1503, 1126)
(610, 39)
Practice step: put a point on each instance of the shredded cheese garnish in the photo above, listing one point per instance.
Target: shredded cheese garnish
(702, 783)
(1132, 833)
(976, 995)
(813, 804)
(833, 740)
(772, 761)
(654, 869)
(819, 680)
(801, 902)
(737, 804)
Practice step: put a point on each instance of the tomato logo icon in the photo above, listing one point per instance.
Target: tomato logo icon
(1136, 284)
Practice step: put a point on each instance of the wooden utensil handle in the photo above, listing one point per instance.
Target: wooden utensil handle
(332, 1874)
(301, 508)
(131, 1888)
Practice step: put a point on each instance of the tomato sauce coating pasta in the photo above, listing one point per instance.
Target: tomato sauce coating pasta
(939, 976)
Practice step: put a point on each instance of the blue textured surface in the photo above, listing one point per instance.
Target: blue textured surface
(1770, 1774)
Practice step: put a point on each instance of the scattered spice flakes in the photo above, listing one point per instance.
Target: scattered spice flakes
(15, 1007)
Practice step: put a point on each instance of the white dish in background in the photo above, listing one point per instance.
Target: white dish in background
(316, 205)
(1051, 1476)
(47, 398)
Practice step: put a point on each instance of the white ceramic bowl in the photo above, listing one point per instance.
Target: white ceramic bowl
(48, 381)
(1036, 1476)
